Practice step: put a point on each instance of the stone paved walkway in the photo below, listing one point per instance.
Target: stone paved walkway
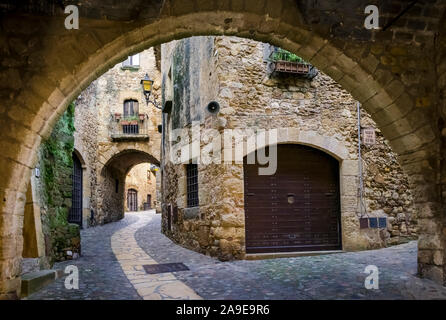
(114, 253)
(100, 274)
(164, 286)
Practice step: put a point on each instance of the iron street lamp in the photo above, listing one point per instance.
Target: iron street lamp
(147, 86)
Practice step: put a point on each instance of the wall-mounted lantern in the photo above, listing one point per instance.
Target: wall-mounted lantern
(147, 87)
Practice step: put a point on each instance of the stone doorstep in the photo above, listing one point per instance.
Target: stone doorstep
(261, 256)
(34, 281)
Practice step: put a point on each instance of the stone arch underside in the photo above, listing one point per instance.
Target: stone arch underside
(61, 63)
(111, 183)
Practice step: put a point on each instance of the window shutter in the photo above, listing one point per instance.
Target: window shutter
(135, 107)
(135, 60)
(126, 62)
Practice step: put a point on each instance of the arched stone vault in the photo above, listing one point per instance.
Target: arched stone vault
(125, 160)
(111, 181)
(45, 66)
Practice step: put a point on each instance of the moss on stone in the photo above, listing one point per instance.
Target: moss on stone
(56, 166)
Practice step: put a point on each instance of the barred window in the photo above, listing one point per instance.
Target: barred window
(192, 185)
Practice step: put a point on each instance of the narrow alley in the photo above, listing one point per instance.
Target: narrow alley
(111, 267)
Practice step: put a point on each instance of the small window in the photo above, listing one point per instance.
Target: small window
(132, 61)
(131, 108)
(192, 185)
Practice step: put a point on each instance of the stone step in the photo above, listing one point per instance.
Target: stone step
(34, 281)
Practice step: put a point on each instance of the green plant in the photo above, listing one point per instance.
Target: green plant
(284, 55)
(131, 118)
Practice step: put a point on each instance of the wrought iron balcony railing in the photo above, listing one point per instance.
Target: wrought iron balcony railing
(286, 62)
(129, 128)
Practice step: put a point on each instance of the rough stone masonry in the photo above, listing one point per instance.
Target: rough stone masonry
(236, 73)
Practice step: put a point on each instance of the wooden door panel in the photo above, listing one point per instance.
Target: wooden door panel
(297, 208)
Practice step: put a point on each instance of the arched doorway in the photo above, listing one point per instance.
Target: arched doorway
(297, 208)
(75, 214)
(132, 200)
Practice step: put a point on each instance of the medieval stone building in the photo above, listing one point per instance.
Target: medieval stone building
(322, 197)
(117, 130)
(100, 161)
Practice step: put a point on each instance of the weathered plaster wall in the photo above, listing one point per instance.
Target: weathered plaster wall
(250, 97)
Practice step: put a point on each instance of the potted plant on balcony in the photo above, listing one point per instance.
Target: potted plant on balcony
(117, 116)
(142, 116)
(130, 120)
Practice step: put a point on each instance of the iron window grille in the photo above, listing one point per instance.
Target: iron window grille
(192, 185)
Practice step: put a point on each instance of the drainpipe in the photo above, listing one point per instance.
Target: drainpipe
(362, 208)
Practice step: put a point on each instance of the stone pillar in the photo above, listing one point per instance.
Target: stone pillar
(431, 218)
(11, 243)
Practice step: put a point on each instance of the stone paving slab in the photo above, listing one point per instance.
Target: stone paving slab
(113, 256)
(334, 276)
(132, 258)
(100, 273)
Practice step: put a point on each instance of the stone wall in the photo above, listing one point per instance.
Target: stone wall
(107, 161)
(62, 239)
(85, 143)
(234, 72)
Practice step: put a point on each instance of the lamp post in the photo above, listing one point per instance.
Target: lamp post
(147, 86)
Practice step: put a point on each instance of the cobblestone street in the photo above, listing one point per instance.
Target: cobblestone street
(107, 273)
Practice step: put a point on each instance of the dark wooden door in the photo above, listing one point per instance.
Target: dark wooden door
(149, 201)
(297, 208)
(75, 214)
(132, 200)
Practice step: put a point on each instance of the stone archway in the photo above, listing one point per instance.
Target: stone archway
(41, 84)
(111, 182)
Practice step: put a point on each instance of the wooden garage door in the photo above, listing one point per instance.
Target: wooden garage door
(297, 208)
